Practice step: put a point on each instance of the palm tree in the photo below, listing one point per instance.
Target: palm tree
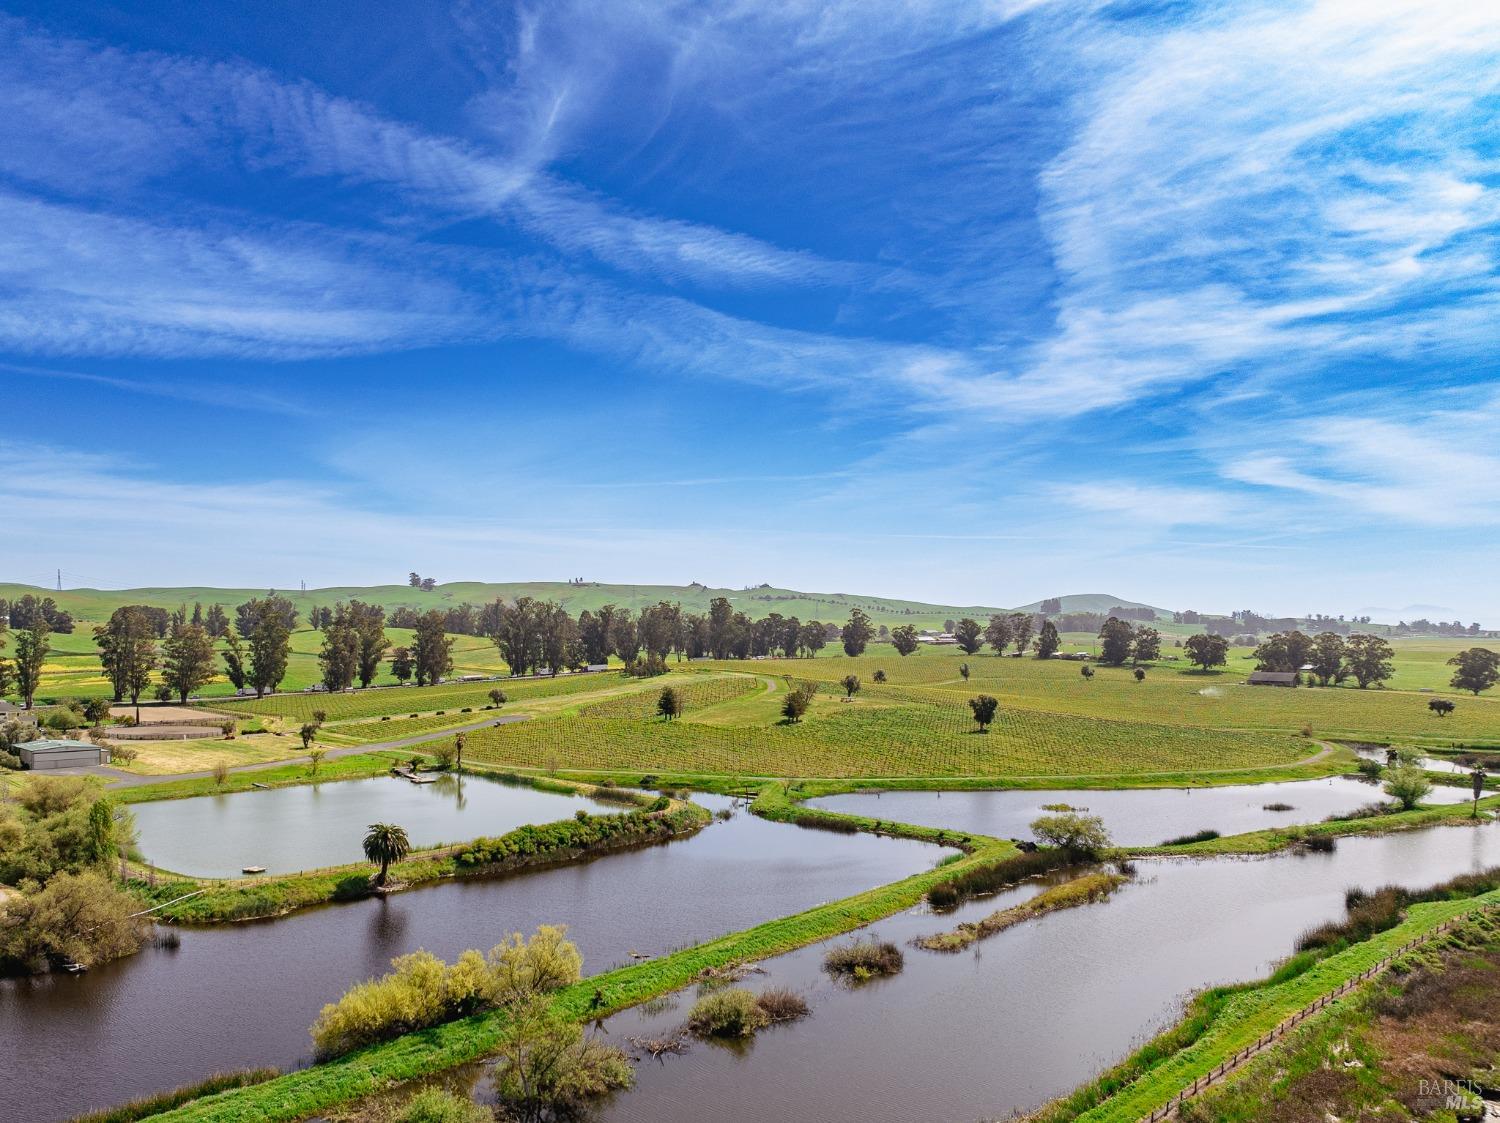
(386, 843)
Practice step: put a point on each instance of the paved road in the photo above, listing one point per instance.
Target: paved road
(121, 779)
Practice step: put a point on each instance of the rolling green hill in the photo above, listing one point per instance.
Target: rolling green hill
(97, 604)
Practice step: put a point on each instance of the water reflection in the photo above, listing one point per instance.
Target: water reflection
(314, 825)
(1138, 817)
(245, 994)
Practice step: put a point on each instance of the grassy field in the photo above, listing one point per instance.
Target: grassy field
(1170, 694)
(872, 737)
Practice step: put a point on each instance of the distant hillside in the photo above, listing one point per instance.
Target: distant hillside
(1097, 602)
(96, 604)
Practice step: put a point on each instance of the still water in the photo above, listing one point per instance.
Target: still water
(314, 825)
(245, 994)
(1028, 1014)
(1139, 817)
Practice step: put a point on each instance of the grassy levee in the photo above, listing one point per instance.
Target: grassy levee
(357, 766)
(324, 1086)
(1226, 1020)
(1279, 838)
(526, 847)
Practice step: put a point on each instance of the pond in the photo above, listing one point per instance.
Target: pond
(1028, 1014)
(309, 826)
(245, 994)
(1135, 817)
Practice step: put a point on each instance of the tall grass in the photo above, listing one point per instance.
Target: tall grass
(156, 1103)
(994, 876)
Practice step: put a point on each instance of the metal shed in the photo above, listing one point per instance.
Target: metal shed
(41, 755)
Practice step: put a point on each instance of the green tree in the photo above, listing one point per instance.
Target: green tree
(1082, 836)
(95, 710)
(796, 704)
(1327, 656)
(31, 656)
(339, 657)
(1116, 639)
(904, 639)
(1147, 646)
(969, 635)
(402, 665)
(1441, 706)
(856, 634)
(813, 637)
(386, 843)
(1476, 782)
(1407, 784)
(984, 708)
(1207, 651)
(234, 661)
(1369, 659)
(265, 624)
(74, 918)
(850, 683)
(1284, 651)
(1140, 674)
(497, 698)
(1021, 625)
(1047, 640)
(431, 649)
(367, 621)
(668, 703)
(1478, 669)
(997, 633)
(187, 660)
(308, 733)
(127, 651)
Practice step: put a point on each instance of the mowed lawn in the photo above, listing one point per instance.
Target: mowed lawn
(1170, 694)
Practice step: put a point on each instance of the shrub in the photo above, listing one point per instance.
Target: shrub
(546, 1069)
(433, 1105)
(730, 1012)
(422, 990)
(1408, 784)
(122, 752)
(864, 959)
(782, 1005)
(993, 876)
(1322, 843)
(1277, 807)
(1205, 835)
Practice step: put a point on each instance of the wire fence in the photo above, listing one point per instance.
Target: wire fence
(1228, 1067)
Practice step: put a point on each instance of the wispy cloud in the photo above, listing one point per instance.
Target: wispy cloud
(204, 393)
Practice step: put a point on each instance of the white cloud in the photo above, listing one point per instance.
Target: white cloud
(1428, 471)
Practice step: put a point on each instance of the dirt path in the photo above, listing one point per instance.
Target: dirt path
(122, 779)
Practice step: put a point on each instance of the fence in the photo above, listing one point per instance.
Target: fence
(1229, 1066)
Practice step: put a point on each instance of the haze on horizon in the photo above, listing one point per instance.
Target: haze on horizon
(967, 303)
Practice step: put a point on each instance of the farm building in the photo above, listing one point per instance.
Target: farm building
(1273, 678)
(10, 711)
(42, 755)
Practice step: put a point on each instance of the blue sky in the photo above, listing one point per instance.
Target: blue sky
(971, 302)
